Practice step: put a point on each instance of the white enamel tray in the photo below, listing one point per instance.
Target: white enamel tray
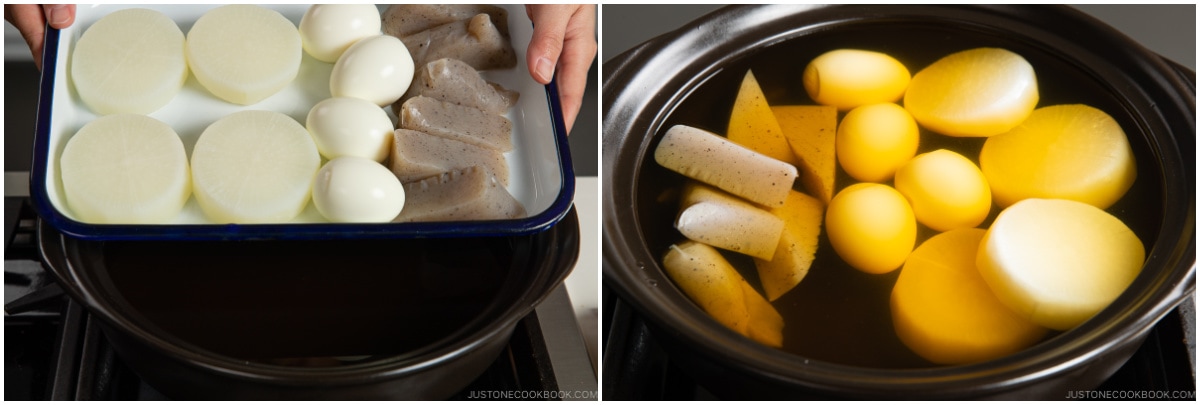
(540, 169)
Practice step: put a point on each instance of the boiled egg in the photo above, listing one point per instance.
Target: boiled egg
(327, 30)
(378, 69)
(356, 189)
(346, 126)
(871, 226)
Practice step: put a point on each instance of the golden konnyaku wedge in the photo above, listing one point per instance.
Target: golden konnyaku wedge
(714, 285)
(712, 159)
(811, 132)
(802, 217)
(751, 124)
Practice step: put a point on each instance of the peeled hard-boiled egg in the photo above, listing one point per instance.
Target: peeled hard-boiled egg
(946, 190)
(356, 189)
(378, 69)
(874, 140)
(871, 226)
(327, 30)
(346, 126)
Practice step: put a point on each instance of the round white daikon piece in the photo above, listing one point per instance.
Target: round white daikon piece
(1059, 262)
(254, 167)
(125, 169)
(356, 189)
(129, 61)
(346, 126)
(327, 30)
(378, 69)
(244, 53)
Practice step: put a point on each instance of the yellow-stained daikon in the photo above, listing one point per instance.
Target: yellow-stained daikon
(254, 167)
(874, 140)
(712, 159)
(976, 92)
(125, 169)
(1058, 262)
(1068, 151)
(944, 311)
(731, 224)
(714, 285)
(848, 78)
(244, 53)
(802, 216)
(946, 190)
(753, 125)
(129, 61)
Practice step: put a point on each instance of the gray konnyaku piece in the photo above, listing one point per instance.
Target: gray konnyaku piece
(417, 155)
(465, 124)
(466, 195)
(475, 41)
(401, 20)
(455, 81)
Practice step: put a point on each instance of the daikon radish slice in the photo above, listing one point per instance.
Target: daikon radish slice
(244, 53)
(130, 61)
(125, 169)
(1070, 151)
(254, 167)
(944, 311)
(712, 159)
(1059, 262)
(977, 92)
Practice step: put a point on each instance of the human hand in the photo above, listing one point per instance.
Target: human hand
(31, 20)
(564, 42)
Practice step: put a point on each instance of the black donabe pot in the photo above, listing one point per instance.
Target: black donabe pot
(337, 319)
(690, 76)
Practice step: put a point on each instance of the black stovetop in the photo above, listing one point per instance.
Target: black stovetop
(54, 350)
